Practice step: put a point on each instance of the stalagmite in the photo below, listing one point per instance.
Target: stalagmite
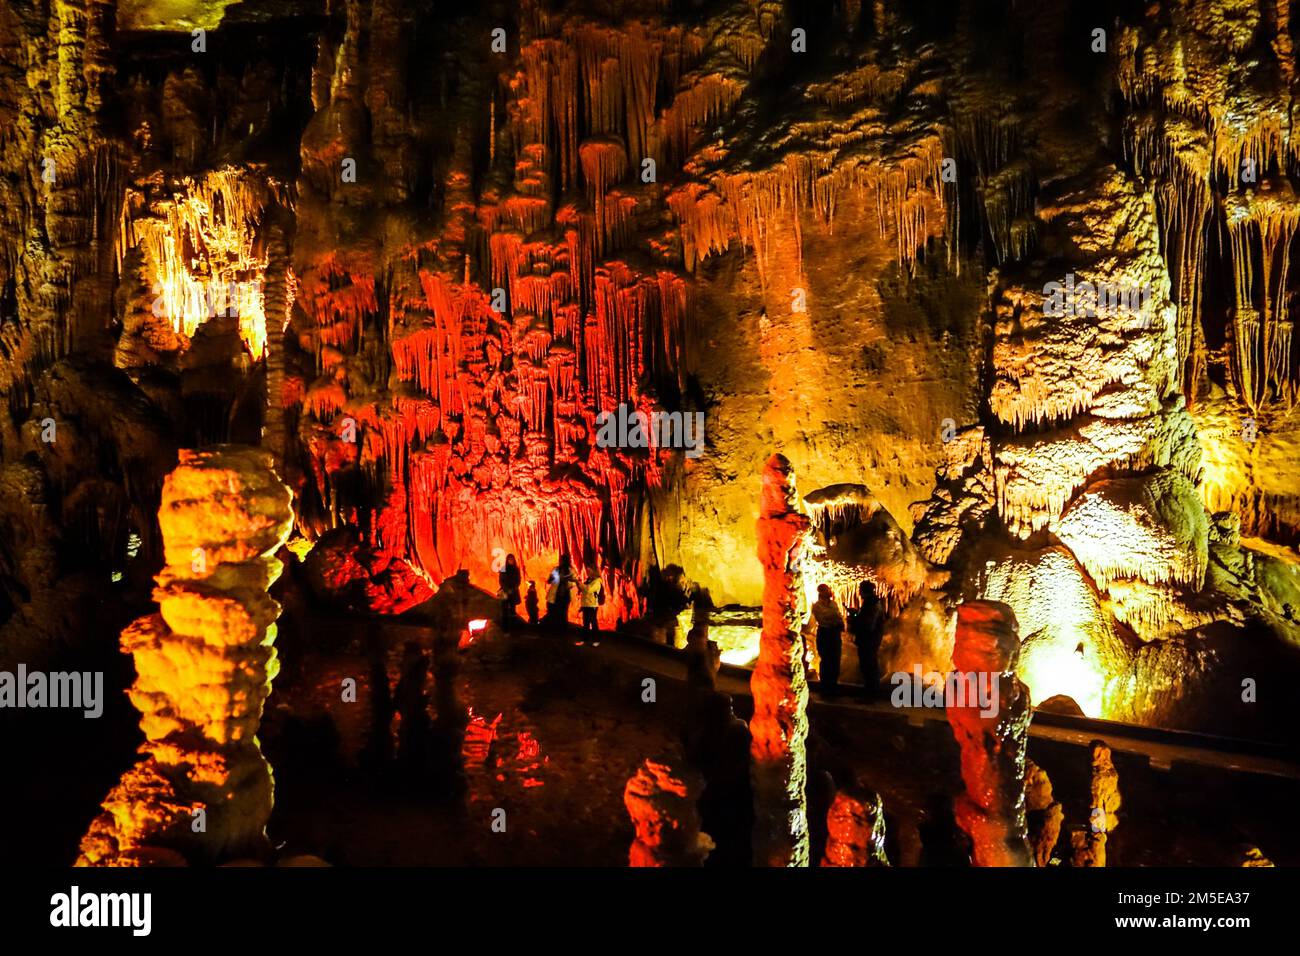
(1088, 843)
(1043, 814)
(1087, 847)
(855, 827)
(992, 810)
(202, 791)
(662, 804)
(779, 766)
(1104, 799)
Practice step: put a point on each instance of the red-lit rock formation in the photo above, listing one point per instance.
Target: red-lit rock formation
(780, 684)
(202, 791)
(855, 826)
(661, 802)
(992, 810)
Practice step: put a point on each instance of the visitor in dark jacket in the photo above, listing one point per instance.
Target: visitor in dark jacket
(867, 627)
(559, 588)
(509, 579)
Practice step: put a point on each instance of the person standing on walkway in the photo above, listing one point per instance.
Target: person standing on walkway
(558, 592)
(830, 640)
(530, 603)
(867, 625)
(593, 596)
(509, 579)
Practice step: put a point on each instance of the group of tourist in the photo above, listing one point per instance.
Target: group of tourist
(561, 584)
(866, 623)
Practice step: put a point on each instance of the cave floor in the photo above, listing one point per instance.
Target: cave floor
(555, 728)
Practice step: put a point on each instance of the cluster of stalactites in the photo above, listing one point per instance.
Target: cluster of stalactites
(750, 206)
(1212, 131)
(200, 254)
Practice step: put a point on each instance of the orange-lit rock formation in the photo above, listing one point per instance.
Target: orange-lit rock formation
(992, 810)
(662, 804)
(202, 791)
(779, 766)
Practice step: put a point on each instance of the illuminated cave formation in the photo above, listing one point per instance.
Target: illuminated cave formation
(204, 665)
(1018, 313)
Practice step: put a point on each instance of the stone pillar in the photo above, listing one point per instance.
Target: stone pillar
(779, 765)
(1088, 843)
(202, 791)
(1043, 813)
(1104, 792)
(661, 803)
(855, 826)
(992, 810)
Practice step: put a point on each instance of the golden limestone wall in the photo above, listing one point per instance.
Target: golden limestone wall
(202, 790)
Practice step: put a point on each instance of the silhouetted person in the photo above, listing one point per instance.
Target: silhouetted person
(667, 596)
(559, 588)
(867, 626)
(830, 638)
(530, 603)
(593, 596)
(509, 579)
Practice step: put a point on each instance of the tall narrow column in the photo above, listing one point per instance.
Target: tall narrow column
(202, 791)
(779, 764)
(992, 738)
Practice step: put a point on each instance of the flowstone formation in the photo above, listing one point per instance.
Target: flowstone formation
(992, 810)
(779, 727)
(855, 830)
(1081, 499)
(662, 804)
(202, 791)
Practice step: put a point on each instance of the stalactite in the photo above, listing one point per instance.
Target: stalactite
(1261, 328)
(603, 163)
(494, 401)
(703, 101)
(198, 249)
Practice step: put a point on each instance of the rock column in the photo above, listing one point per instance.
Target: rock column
(1088, 844)
(1044, 813)
(779, 765)
(992, 741)
(202, 791)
